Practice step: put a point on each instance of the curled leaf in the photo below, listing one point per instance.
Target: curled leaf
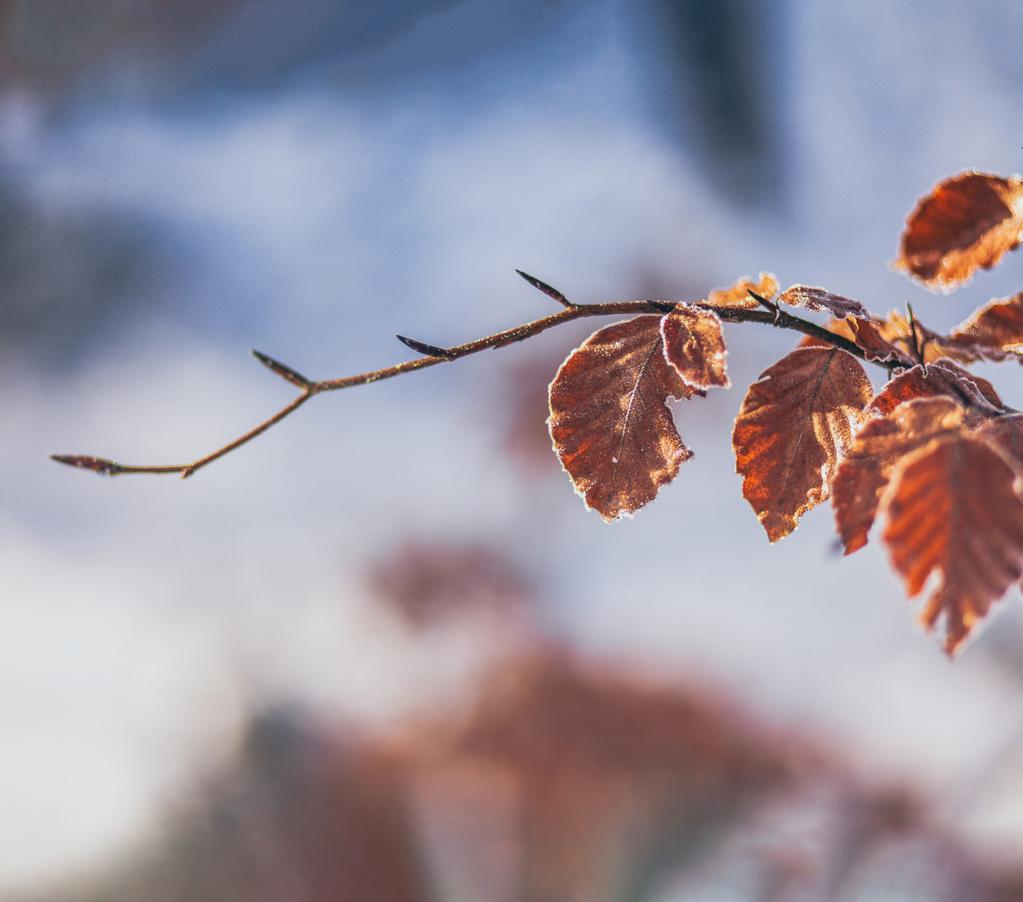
(879, 445)
(869, 335)
(737, 295)
(968, 222)
(609, 419)
(1005, 434)
(695, 346)
(795, 422)
(822, 299)
(953, 513)
(994, 332)
(943, 378)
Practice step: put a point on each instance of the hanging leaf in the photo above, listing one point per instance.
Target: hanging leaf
(939, 379)
(1006, 435)
(822, 299)
(737, 295)
(953, 513)
(878, 446)
(609, 420)
(867, 334)
(794, 424)
(994, 332)
(966, 223)
(695, 346)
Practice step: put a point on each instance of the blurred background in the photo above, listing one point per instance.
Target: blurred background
(383, 653)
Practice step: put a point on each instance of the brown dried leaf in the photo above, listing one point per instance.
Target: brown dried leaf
(952, 510)
(867, 334)
(822, 299)
(795, 422)
(993, 332)
(966, 223)
(943, 378)
(695, 346)
(609, 421)
(737, 295)
(1006, 435)
(863, 474)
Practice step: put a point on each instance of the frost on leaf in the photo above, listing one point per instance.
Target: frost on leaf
(1006, 435)
(695, 346)
(966, 223)
(879, 445)
(609, 420)
(994, 332)
(822, 299)
(870, 335)
(794, 424)
(943, 378)
(737, 295)
(952, 513)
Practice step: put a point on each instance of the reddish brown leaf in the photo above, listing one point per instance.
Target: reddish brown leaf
(879, 445)
(966, 223)
(942, 378)
(737, 295)
(993, 332)
(609, 420)
(695, 346)
(1006, 435)
(866, 334)
(822, 299)
(953, 512)
(795, 422)
(869, 335)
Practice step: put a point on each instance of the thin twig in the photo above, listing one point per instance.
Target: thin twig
(437, 355)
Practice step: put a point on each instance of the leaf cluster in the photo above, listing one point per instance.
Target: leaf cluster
(935, 454)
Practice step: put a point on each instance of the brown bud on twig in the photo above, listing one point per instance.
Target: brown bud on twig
(87, 462)
(546, 289)
(427, 350)
(285, 372)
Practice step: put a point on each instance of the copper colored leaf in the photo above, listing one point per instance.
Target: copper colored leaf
(737, 295)
(867, 466)
(609, 421)
(952, 512)
(867, 334)
(822, 299)
(942, 378)
(1006, 435)
(966, 223)
(993, 332)
(795, 423)
(695, 346)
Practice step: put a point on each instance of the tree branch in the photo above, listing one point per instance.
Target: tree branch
(774, 316)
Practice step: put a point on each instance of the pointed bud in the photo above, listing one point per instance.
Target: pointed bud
(421, 347)
(546, 289)
(285, 372)
(88, 462)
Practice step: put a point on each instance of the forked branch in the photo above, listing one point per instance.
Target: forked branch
(433, 355)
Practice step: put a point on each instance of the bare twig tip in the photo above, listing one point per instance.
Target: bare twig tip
(87, 462)
(427, 350)
(285, 372)
(548, 290)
